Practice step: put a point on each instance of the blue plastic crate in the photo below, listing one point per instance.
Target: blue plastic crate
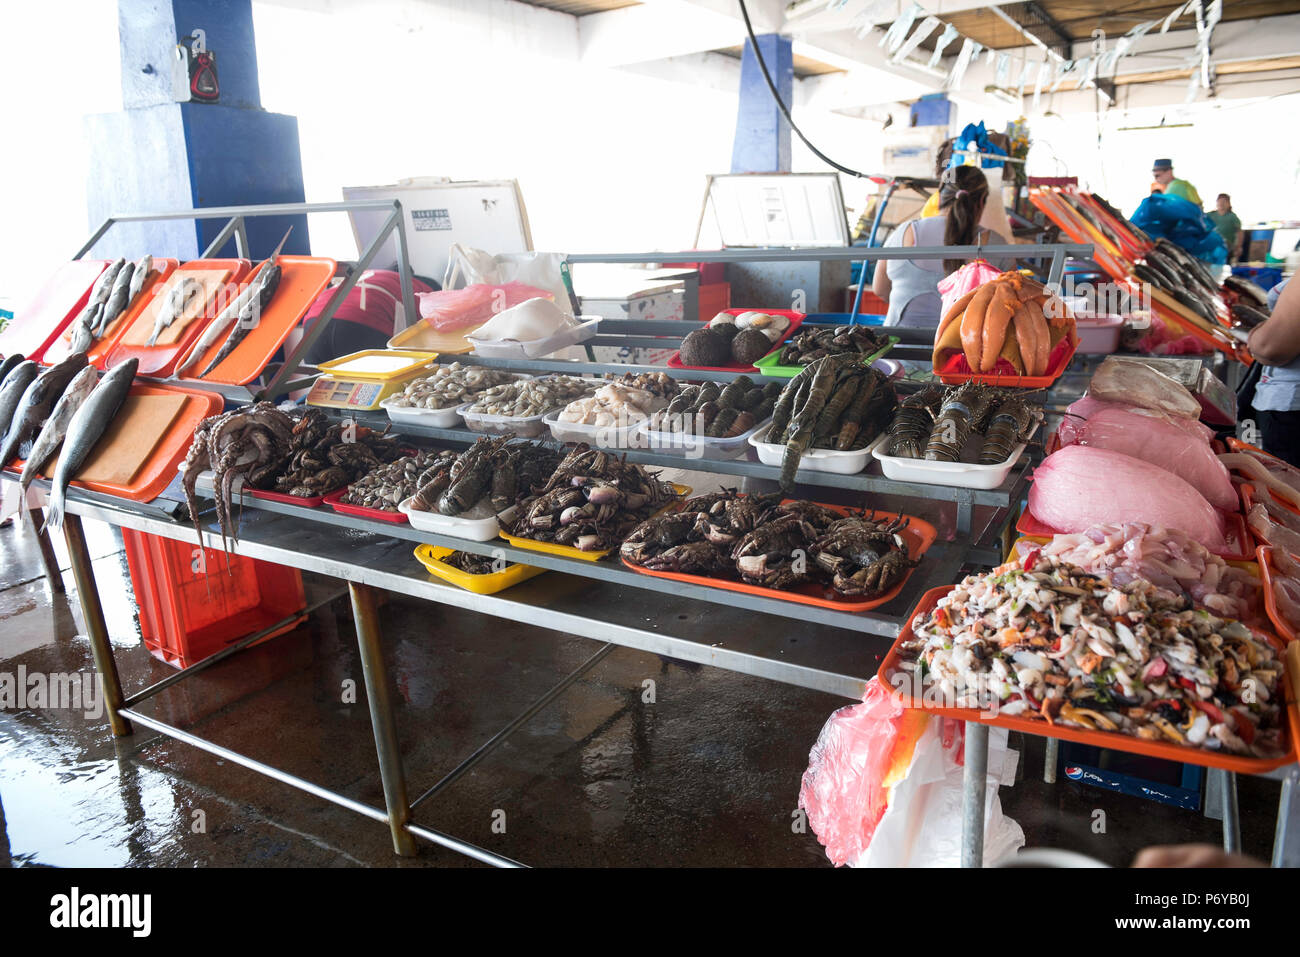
(934, 109)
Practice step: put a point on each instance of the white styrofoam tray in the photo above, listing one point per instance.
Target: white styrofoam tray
(597, 436)
(473, 529)
(510, 349)
(694, 446)
(813, 460)
(447, 418)
(960, 474)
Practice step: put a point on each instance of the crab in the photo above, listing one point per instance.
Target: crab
(863, 557)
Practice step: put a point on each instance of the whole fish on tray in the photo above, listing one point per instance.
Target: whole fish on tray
(180, 298)
(264, 288)
(56, 426)
(7, 365)
(143, 267)
(83, 326)
(220, 325)
(36, 403)
(88, 425)
(15, 383)
(118, 299)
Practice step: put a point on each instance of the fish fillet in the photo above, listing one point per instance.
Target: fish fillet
(1079, 486)
(1118, 380)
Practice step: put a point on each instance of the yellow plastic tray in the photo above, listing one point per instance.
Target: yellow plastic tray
(430, 557)
(567, 551)
(419, 361)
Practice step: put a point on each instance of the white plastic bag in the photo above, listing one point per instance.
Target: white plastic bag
(922, 825)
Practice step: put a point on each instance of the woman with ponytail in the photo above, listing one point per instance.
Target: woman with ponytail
(911, 287)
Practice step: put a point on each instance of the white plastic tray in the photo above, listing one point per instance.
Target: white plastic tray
(473, 529)
(959, 474)
(528, 427)
(510, 349)
(698, 446)
(597, 436)
(814, 460)
(447, 418)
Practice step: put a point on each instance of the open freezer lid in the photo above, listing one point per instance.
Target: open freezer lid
(484, 214)
(779, 209)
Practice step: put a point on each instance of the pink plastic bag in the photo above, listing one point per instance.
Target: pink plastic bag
(460, 310)
(1162, 444)
(975, 273)
(844, 790)
(1080, 486)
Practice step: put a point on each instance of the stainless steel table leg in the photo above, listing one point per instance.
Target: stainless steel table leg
(974, 779)
(391, 772)
(93, 612)
(1050, 753)
(1231, 821)
(1286, 839)
(48, 558)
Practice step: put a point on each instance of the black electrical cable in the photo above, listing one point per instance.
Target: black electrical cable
(753, 40)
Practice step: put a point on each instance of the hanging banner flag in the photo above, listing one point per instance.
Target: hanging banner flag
(1044, 72)
(949, 34)
(897, 33)
(868, 17)
(1001, 71)
(928, 26)
(969, 49)
(1025, 72)
(1174, 14)
(1063, 69)
(1089, 71)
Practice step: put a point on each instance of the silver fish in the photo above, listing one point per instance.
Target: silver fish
(219, 325)
(35, 405)
(7, 365)
(118, 300)
(11, 391)
(138, 276)
(104, 284)
(88, 425)
(268, 280)
(178, 300)
(56, 426)
(82, 335)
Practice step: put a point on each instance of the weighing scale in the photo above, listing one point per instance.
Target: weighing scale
(364, 379)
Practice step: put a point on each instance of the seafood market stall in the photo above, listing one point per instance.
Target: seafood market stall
(778, 500)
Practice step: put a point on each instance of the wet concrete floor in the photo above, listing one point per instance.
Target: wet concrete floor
(706, 775)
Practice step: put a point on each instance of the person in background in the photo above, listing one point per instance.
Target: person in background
(366, 319)
(1163, 171)
(1226, 224)
(911, 286)
(1276, 343)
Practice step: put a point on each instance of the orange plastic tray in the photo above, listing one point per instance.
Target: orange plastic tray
(1240, 543)
(161, 360)
(1074, 226)
(918, 534)
(1264, 556)
(1009, 381)
(893, 677)
(1130, 246)
(98, 353)
(302, 279)
(41, 321)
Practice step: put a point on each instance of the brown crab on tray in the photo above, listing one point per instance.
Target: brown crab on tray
(806, 552)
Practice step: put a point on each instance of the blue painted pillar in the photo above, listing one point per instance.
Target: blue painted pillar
(158, 154)
(762, 143)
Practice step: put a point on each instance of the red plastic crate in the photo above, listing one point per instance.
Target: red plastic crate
(714, 298)
(187, 614)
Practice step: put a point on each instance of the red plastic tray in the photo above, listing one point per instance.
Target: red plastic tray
(918, 534)
(41, 321)
(1013, 381)
(360, 511)
(796, 320)
(1240, 543)
(161, 360)
(61, 347)
(310, 502)
(1264, 556)
(302, 279)
(891, 675)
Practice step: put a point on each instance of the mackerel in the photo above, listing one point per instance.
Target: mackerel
(118, 299)
(15, 384)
